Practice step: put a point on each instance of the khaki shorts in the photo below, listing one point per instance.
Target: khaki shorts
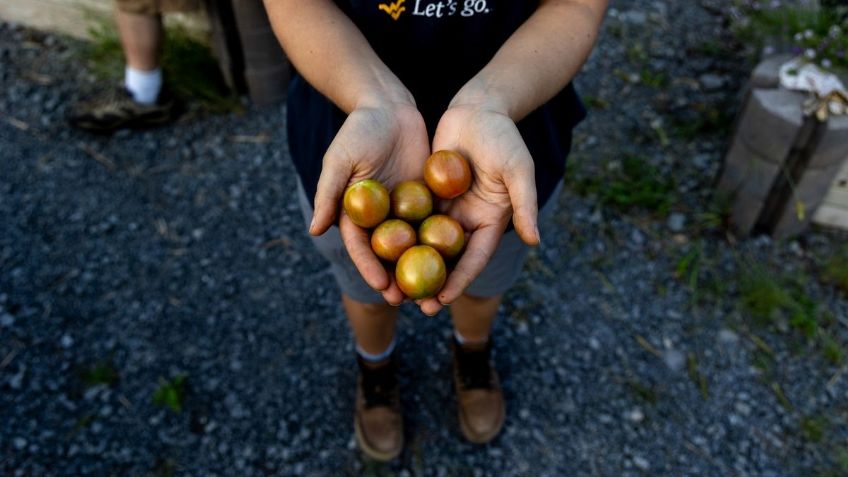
(153, 7)
(499, 275)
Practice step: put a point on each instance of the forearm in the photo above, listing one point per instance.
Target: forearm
(538, 60)
(332, 54)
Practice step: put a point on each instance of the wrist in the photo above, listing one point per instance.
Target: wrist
(383, 92)
(480, 95)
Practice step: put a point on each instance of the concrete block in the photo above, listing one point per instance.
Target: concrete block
(770, 123)
(745, 172)
(745, 212)
(833, 147)
(809, 191)
(767, 74)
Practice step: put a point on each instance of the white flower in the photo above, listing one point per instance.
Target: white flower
(798, 37)
(810, 53)
(826, 63)
(835, 31)
(808, 34)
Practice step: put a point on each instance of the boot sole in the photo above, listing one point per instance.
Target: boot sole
(370, 451)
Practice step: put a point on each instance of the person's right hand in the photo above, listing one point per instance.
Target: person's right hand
(382, 140)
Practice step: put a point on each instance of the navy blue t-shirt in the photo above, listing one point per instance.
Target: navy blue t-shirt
(434, 47)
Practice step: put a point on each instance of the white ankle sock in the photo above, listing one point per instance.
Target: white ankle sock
(463, 340)
(376, 358)
(143, 85)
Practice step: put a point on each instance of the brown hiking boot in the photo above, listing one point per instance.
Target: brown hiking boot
(479, 398)
(378, 422)
(116, 109)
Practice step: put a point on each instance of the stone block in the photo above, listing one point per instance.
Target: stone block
(810, 191)
(745, 172)
(745, 212)
(767, 74)
(833, 147)
(770, 123)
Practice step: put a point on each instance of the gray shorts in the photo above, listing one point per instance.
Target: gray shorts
(498, 276)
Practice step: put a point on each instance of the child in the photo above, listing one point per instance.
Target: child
(487, 78)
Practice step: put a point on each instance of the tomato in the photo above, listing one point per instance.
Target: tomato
(366, 203)
(444, 234)
(412, 201)
(420, 272)
(447, 174)
(391, 238)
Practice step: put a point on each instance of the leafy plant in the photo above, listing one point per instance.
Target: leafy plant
(171, 393)
(819, 35)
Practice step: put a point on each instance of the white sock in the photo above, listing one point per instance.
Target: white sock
(376, 358)
(463, 340)
(143, 85)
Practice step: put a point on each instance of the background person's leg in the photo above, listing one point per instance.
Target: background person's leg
(141, 38)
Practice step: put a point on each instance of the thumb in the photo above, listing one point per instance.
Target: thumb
(520, 184)
(335, 175)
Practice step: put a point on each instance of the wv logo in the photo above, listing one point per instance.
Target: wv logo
(393, 8)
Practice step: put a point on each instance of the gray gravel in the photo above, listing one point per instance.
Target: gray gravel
(181, 252)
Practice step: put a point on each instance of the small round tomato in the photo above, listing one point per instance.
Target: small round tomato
(366, 203)
(447, 174)
(420, 272)
(412, 201)
(444, 234)
(391, 238)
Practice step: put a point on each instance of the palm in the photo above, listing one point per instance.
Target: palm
(503, 187)
(389, 144)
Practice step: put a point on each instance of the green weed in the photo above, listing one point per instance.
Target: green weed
(654, 79)
(636, 183)
(813, 428)
(702, 119)
(171, 393)
(643, 391)
(836, 270)
(595, 102)
(103, 372)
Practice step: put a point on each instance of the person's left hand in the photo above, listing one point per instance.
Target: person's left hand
(503, 187)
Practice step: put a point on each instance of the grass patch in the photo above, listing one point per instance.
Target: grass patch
(189, 68)
(654, 79)
(780, 301)
(813, 428)
(630, 183)
(702, 119)
(171, 393)
(836, 270)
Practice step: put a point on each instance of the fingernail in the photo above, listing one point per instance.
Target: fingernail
(538, 235)
(312, 224)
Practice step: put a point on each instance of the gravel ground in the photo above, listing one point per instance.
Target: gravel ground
(131, 261)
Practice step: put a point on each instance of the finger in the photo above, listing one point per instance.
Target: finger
(335, 175)
(392, 294)
(358, 244)
(430, 306)
(520, 183)
(481, 245)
